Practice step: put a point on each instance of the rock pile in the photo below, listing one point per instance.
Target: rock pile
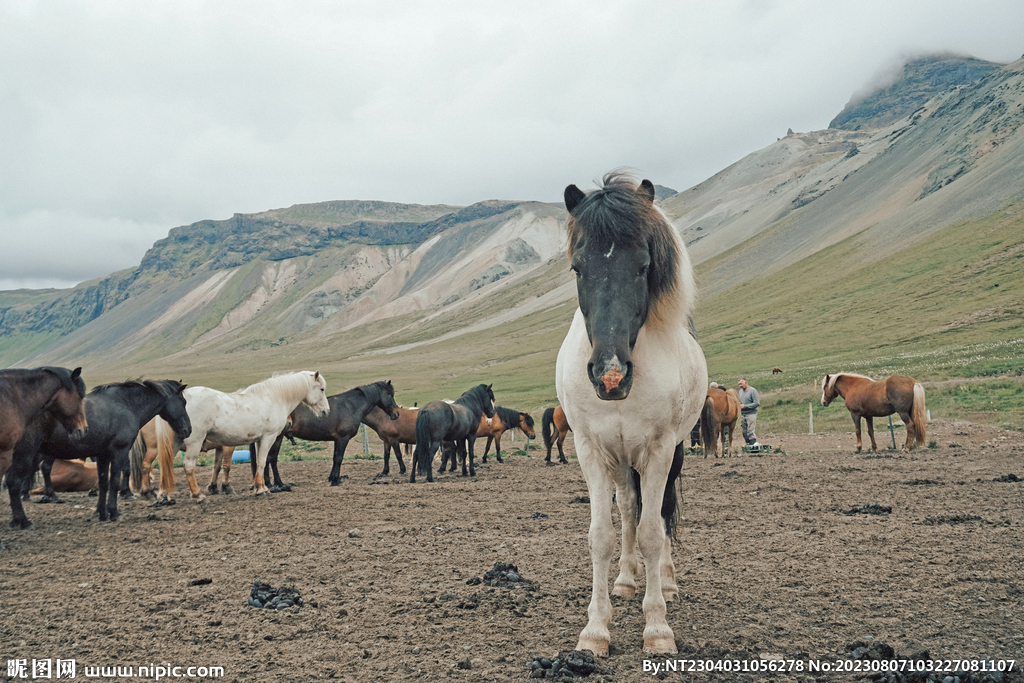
(265, 595)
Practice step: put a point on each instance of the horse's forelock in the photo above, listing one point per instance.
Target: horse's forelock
(619, 213)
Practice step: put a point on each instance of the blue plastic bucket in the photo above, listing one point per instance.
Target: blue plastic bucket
(240, 455)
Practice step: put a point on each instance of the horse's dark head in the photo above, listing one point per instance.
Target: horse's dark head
(526, 424)
(67, 403)
(626, 261)
(386, 402)
(174, 411)
(485, 397)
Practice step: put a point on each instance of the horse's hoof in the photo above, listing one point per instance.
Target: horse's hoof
(670, 594)
(401, 471)
(199, 498)
(262, 491)
(127, 496)
(624, 590)
(212, 489)
(284, 488)
(660, 645)
(21, 524)
(335, 483)
(598, 646)
(114, 516)
(563, 462)
(226, 488)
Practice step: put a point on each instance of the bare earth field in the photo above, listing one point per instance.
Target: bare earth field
(769, 567)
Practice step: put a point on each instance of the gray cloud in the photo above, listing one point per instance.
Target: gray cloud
(122, 120)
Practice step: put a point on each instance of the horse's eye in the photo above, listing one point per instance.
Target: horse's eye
(643, 269)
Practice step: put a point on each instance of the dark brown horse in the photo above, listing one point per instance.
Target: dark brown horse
(394, 433)
(721, 412)
(555, 417)
(26, 394)
(440, 421)
(776, 371)
(869, 399)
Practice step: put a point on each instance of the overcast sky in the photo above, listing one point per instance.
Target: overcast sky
(122, 119)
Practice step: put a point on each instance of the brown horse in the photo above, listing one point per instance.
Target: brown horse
(721, 411)
(394, 433)
(869, 399)
(776, 371)
(71, 476)
(27, 394)
(555, 417)
(504, 419)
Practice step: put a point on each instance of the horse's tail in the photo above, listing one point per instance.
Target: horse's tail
(670, 501)
(420, 458)
(707, 425)
(918, 414)
(135, 458)
(545, 427)
(165, 456)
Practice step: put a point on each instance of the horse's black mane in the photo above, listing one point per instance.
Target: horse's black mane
(512, 417)
(617, 213)
(477, 394)
(164, 387)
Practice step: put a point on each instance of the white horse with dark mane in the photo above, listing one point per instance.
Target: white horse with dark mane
(257, 414)
(631, 378)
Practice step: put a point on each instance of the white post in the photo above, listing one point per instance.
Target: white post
(366, 441)
(810, 409)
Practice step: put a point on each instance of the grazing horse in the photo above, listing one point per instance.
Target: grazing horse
(631, 378)
(256, 414)
(776, 371)
(721, 412)
(348, 410)
(555, 417)
(116, 412)
(870, 399)
(394, 433)
(441, 421)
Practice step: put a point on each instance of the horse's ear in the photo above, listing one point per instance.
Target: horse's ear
(646, 190)
(316, 375)
(76, 373)
(573, 196)
(181, 388)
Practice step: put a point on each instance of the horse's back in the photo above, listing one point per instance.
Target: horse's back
(899, 391)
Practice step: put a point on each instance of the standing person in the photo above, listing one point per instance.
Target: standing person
(749, 401)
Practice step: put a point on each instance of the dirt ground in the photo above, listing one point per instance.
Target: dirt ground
(769, 564)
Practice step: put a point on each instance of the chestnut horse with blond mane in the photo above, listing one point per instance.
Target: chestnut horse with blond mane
(869, 399)
(721, 412)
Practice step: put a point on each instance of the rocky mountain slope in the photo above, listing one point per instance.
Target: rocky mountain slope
(367, 277)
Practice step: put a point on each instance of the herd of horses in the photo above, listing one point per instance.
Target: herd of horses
(630, 377)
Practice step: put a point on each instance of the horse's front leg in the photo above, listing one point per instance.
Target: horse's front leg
(856, 425)
(387, 461)
(658, 636)
(487, 448)
(189, 465)
(629, 564)
(340, 444)
(595, 635)
(871, 432)
(118, 466)
(20, 471)
(497, 446)
(218, 454)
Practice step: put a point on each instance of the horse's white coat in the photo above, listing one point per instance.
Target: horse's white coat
(639, 432)
(257, 414)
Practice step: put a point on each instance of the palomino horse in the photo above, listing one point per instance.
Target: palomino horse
(442, 421)
(721, 412)
(555, 417)
(154, 436)
(394, 433)
(256, 414)
(348, 409)
(870, 399)
(69, 476)
(631, 379)
(116, 413)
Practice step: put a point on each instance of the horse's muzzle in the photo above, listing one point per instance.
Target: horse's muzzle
(614, 383)
(394, 415)
(78, 433)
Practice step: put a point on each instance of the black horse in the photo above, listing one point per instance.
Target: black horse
(439, 421)
(339, 425)
(116, 413)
